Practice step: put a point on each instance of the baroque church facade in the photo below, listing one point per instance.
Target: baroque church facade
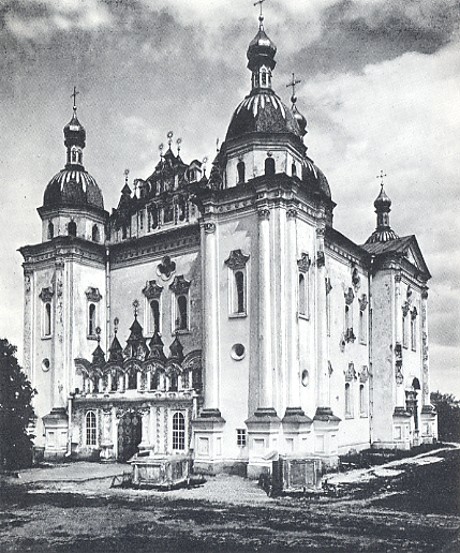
(223, 316)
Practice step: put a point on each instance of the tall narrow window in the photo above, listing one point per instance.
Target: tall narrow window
(95, 235)
(72, 228)
(362, 400)
(91, 435)
(47, 320)
(405, 330)
(362, 327)
(132, 380)
(348, 401)
(178, 432)
(241, 171)
(155, 380)
(168, 213)
(92, 319)
(294, 170)
(50, 230)
(270, 166)
(173, 382)
(239, 288)
(141, 217)
(182, 316)
(155, 314)
(114, 382)
(303, 295)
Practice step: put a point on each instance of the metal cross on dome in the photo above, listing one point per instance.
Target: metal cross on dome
(293, 84)
(74, 96)
(381, 176)
(261, 15)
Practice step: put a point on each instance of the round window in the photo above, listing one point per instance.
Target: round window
(238, 352)
(46, 365)
(305, 378)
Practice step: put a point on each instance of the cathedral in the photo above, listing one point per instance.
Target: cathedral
(222, 316)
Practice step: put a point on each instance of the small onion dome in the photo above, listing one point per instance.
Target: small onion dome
(263, 112)
(73, 188)
(74, 133)
(315, 179)
(382, 202)
(301, 120)
(261, 49)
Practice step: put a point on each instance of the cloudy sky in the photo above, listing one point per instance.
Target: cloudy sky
(380, 89)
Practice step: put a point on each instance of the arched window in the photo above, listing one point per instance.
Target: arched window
(348, 401)
(168, 213)
(50, 230)
(72, 228)
(241, 171)
(141, 215)
(182, 316)
(178, 432)
(91, 319)
(114, 382)
(413, 331)
(264, 78)
(269, 166)
(362, 400)
(173, 381)
(124, 232)
(95, 234)
(132, 380)
(302, 295)
(47, 320)
(155, 380)
(155, 313)
(91, 435)
(294, 170)
(362, 327)
(239, 287)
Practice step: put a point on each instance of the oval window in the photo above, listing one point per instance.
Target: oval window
(46, 365)
(238, 352)
(305, 378)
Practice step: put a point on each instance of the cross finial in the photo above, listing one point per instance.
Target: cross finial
(261, 14)
(293, 84)
(135, 307)
(74, 96)
(381, 177)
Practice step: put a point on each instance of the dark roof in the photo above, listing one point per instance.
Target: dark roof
(341, 240)
(73, 188)
(398, 245)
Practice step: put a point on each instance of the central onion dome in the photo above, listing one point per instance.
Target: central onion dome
(262, 110)
(73, 186)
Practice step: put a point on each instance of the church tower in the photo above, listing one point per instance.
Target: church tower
(64, 288)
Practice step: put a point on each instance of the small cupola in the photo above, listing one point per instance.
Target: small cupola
(383, 232)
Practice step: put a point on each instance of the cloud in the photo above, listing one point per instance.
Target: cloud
(39, 19)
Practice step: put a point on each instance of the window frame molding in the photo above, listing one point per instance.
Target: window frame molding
(237, 262)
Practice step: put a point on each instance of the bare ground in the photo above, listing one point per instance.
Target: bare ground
(417, 511)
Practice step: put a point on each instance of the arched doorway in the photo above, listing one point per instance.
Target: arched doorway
(129, 435)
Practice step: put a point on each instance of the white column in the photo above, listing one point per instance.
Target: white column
(292, 309)
(115, 431)
(211, 315)
(399, 372)
(265, 362)
(29, 296)
(322, 378)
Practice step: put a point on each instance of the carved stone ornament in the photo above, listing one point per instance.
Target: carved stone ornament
(152, 290)
(209, 228)
(349, 296)
(321, 232)
(264, 213)
(414, 313)
(236, 260)
(425, 294)
(364, 374)
(399, 376)
(405, 308)
(180, 285)
(328, 285)
(363, 302)
(166, 267)
(409, 293)
(304, 263)
(355, 279)
(46, 294)
(93, 294)
(350, 373)
(330, 369)
(320, 259)
(291, 213)
(398, 277)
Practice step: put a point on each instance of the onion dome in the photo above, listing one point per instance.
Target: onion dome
(301, 120)
(383, 231)
(261, 51)
(263, 112)
(73, 186)
(315, 179)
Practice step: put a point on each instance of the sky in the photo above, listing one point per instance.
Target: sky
(380, 87)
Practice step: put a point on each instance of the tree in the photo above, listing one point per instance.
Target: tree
(448, 409)
(16, 411)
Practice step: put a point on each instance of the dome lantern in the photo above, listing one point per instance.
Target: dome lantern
(382, 204)
(261, 56)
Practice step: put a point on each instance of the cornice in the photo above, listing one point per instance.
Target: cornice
(65, 247)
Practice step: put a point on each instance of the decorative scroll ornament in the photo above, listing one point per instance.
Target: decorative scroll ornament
(414, 313)
(236, 260)
(152, 290)
(349, 296)
(304, 263)
(425, 294)
(167, 267)
(93, 294)
(399, 376)
(355, 279)
(180, 285)
(364, 374)
(291, 213)
(398, 276)
(406, 308)
(321, 232)
(350, 373)
(46, 295)
(409, 293)
(209, 228)
(264, 214)
(363, 302)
